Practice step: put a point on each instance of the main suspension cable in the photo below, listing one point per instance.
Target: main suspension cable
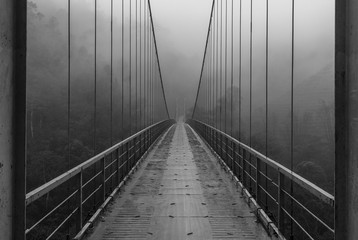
(157, 56)
(203, 62)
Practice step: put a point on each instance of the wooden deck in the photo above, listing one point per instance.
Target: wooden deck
(180, 192)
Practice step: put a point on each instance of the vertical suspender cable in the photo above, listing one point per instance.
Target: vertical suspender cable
(292, 105)
(122, 85)
(69, 86)
(151, 82)
(130, 67)
(157, 56)
(216, 57)
(250, 122)
(150, 77)
(208, 60)
(232, 69)
(146, 67)
(148, 71)
(111, 120)
(95, 97)
(95, 78)
(217, 64)
(225, 88)
(144, 63)
(213, 75)
(136, 66)
(240, 68)
(68, 107)
(111, 93)
(202, 65)
(140, 64)
(153, 56)
(210, 69)
(266, 100)
(213, 67)
(207, 83)
(221, 64)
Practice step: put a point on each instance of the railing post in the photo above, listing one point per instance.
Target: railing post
(222, 145)
(210, 138)
(79, 202)
(135, 145)
(130, 158)
(209, 135)
(280, 202)
(103, 165)
(216, 142)
(243, 166)
(233, 161)
(142, 137)
(117, 166)
(151, 137)
(227, 151)
(146, 140)
(258, 176)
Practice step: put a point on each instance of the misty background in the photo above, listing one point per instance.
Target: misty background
(181, 29)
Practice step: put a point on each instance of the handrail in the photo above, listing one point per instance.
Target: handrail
(311, 187)
(47, 187)
(246, 164)
(125, 157)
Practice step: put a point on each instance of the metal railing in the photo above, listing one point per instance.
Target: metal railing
(307, 211)
(89, 189)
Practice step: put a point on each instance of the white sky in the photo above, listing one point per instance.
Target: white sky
(181, 29)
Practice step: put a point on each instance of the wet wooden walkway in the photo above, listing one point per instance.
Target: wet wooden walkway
(180, 193)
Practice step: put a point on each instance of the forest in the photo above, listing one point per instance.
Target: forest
(86, 94)
(82, 100)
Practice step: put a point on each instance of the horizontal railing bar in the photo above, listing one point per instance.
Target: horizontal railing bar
(268, 194)
(110, 164)
(297, 223)
(268, 178)
(122, 165)
(62, 223)
(251, 165)
(307, 210)
(91, 179)
(110, 176)
(251, 177)
(309, 186)
(49, 213)
(47, 187)
(92, 193)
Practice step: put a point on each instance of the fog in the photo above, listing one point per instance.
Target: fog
(181, 29)
(84, 94)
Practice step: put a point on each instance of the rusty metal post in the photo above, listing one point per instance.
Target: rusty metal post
(346, 113)
(12, 118)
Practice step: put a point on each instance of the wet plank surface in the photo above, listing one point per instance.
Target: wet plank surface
(179, 193)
